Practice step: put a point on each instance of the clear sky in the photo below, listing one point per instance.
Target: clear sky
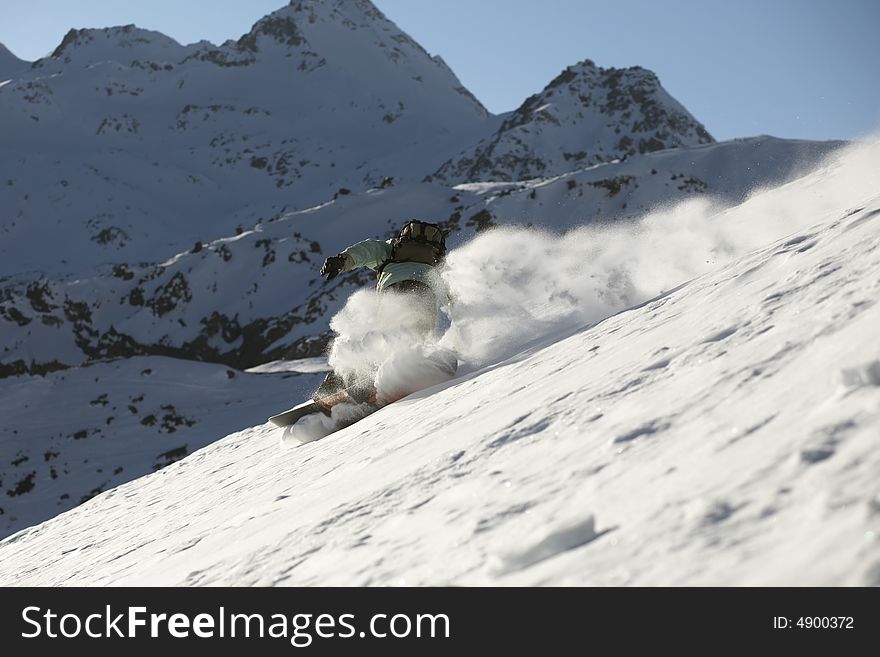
(789, 68)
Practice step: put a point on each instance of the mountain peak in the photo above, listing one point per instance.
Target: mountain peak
(306, 23)
(97, 44)
(354, 38)
(335, 9)
(280, 26)
(584, 116)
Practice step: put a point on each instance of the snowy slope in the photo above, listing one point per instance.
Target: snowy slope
(722, 174)
(722, 432)
(586, 115)
(10, 65)
(69, 435)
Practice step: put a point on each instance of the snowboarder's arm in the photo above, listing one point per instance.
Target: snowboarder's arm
(369, 253)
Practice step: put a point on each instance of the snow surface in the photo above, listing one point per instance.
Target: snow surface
(698, 405)
(69, 435)
(10, 65)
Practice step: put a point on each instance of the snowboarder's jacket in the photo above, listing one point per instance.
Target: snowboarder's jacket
(373, 253)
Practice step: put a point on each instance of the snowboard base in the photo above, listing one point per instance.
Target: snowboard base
(292, 415)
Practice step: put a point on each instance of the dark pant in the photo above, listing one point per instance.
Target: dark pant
(358, 390)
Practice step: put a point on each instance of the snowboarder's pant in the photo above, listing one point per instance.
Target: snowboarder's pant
(360, 390)
(422, 320)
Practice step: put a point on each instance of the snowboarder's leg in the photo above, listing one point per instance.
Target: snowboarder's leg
(336, 389)
(413, 369)
(420, 320)
(331, 384)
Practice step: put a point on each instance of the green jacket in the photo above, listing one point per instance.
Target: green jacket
(372, 253)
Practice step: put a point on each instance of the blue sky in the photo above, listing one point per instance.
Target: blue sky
(790, 68)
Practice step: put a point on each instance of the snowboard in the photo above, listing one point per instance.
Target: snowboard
(313, 423)
(292, 415)
(401, 374)
(324, 405)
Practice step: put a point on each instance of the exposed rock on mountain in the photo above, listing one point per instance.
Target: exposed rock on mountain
(585, 116)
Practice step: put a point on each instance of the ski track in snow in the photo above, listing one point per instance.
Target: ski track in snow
(722, 434)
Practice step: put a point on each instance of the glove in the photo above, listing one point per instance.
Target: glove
(332, 266)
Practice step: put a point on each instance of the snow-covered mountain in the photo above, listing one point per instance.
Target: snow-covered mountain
(127, 146)
(585, 116)
(698, 405)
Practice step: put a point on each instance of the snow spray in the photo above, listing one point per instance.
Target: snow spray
(510, 286)
(513, 286)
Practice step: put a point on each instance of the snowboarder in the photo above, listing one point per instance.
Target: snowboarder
(405, 267)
